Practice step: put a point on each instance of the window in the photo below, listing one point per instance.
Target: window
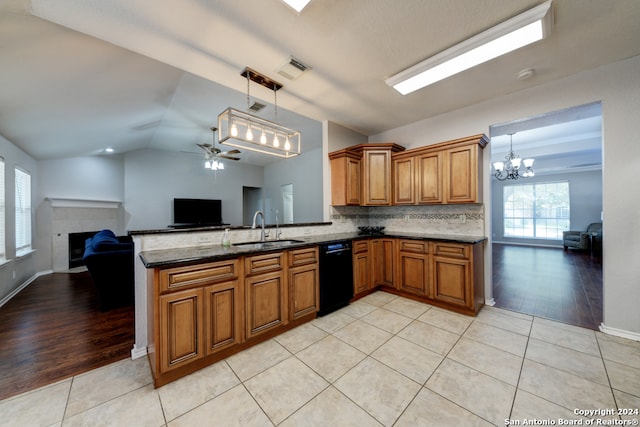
(536, 211)
(23, 212)
(3, 253)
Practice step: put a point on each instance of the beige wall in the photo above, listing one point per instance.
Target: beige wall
(617, 86)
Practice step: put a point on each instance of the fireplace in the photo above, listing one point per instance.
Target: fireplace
(76, 247)
(75, 219)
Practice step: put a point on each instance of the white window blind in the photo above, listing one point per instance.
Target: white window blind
(23, 211)
(3, 253)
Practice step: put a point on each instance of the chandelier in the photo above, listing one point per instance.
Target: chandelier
(246, 131)
(510, 168)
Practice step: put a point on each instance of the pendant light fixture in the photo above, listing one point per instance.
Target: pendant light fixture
(510, 168)
(238, 128)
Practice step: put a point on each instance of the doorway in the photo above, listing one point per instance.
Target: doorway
(530, 214)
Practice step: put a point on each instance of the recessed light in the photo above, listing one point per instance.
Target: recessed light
(519, 31)
(109, 150)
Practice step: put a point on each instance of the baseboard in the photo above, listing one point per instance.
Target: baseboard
(138, 352)
(619, 332)
(26, 283)
(490, 302)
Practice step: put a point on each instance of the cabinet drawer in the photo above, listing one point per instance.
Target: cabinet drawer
(416, 246)
(452, 250)
(360, 246)
(303, 256)
(264, 263)
(194, 275)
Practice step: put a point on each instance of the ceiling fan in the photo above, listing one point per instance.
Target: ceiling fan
(213, 154)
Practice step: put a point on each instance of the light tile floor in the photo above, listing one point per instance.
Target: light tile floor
(384, 360)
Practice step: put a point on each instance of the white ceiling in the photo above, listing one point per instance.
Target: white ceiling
(81, 75)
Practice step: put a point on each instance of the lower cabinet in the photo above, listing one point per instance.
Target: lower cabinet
(181, 328)
(265, 293)
(223, 316)
(458, 275)
(362, 267)
(413, 267)
(383, 259)
(304, 282)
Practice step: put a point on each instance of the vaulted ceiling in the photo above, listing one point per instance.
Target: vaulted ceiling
(81, 75)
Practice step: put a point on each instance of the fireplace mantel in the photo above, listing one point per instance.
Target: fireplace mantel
(57, 202)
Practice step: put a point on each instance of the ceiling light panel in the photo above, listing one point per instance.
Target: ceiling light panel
(524, 29)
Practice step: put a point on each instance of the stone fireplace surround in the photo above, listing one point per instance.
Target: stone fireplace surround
(78, 216)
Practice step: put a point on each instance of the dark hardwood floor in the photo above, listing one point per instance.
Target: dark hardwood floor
(54, 329)
(552, 283)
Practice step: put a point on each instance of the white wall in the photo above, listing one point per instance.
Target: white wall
(305, 173)
(617, 86)
(16, 271)
(154, 177)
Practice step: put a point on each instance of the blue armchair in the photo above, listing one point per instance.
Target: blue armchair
(582, 239)
(109, 259)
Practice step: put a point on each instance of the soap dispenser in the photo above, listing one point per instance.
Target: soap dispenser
(226, 240)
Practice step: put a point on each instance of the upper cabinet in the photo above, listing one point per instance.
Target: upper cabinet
(362, 175)
(448, 172)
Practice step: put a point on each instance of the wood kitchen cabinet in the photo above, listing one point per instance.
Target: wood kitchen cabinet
(197, 312)
(375, 186)
(181, 328)
(413, 267)
(304, 282)
(457, 275)
(266, 296)
(362, 273)
(383, 261)
(448, 172)
(346, 178)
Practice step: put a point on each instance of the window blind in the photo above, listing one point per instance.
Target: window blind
(23, 211)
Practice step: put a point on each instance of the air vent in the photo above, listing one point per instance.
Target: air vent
(256, 106)
(293, 68)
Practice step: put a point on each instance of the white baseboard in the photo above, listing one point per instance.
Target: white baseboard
(26, 283)
(490, 302)
(619, 332)
(138, 352)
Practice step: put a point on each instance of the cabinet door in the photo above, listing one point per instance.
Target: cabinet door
(413, 273)
(304, 290)
(181, 329)
(429, 173)
(383, 262)
(403, 179)
(377, 177)
(462, 180)
(361, 272)
(346, 180)
(452, 281)
(265, 302)
(223, 316)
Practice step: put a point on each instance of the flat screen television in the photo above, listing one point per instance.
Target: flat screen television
(196, 212)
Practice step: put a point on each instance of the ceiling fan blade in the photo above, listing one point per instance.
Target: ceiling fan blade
(234, 151)
(222, 156)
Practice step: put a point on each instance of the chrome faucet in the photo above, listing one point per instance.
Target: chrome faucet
(262, 234)
(278, 232)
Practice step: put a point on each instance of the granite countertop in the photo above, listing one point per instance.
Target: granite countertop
(194, 255)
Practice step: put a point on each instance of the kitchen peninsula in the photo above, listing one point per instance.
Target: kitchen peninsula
(205, 303)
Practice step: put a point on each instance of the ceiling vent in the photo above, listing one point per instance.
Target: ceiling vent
(293, 68)
(256, 106)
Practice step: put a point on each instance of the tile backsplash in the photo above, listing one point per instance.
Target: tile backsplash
(465, 219)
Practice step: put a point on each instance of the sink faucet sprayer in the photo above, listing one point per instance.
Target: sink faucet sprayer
(262, 234)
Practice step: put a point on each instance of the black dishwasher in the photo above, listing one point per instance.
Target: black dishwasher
(336, 276)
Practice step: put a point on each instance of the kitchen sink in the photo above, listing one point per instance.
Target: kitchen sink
(269, 243)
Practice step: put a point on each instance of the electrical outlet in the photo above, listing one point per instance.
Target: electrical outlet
(406, 218)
